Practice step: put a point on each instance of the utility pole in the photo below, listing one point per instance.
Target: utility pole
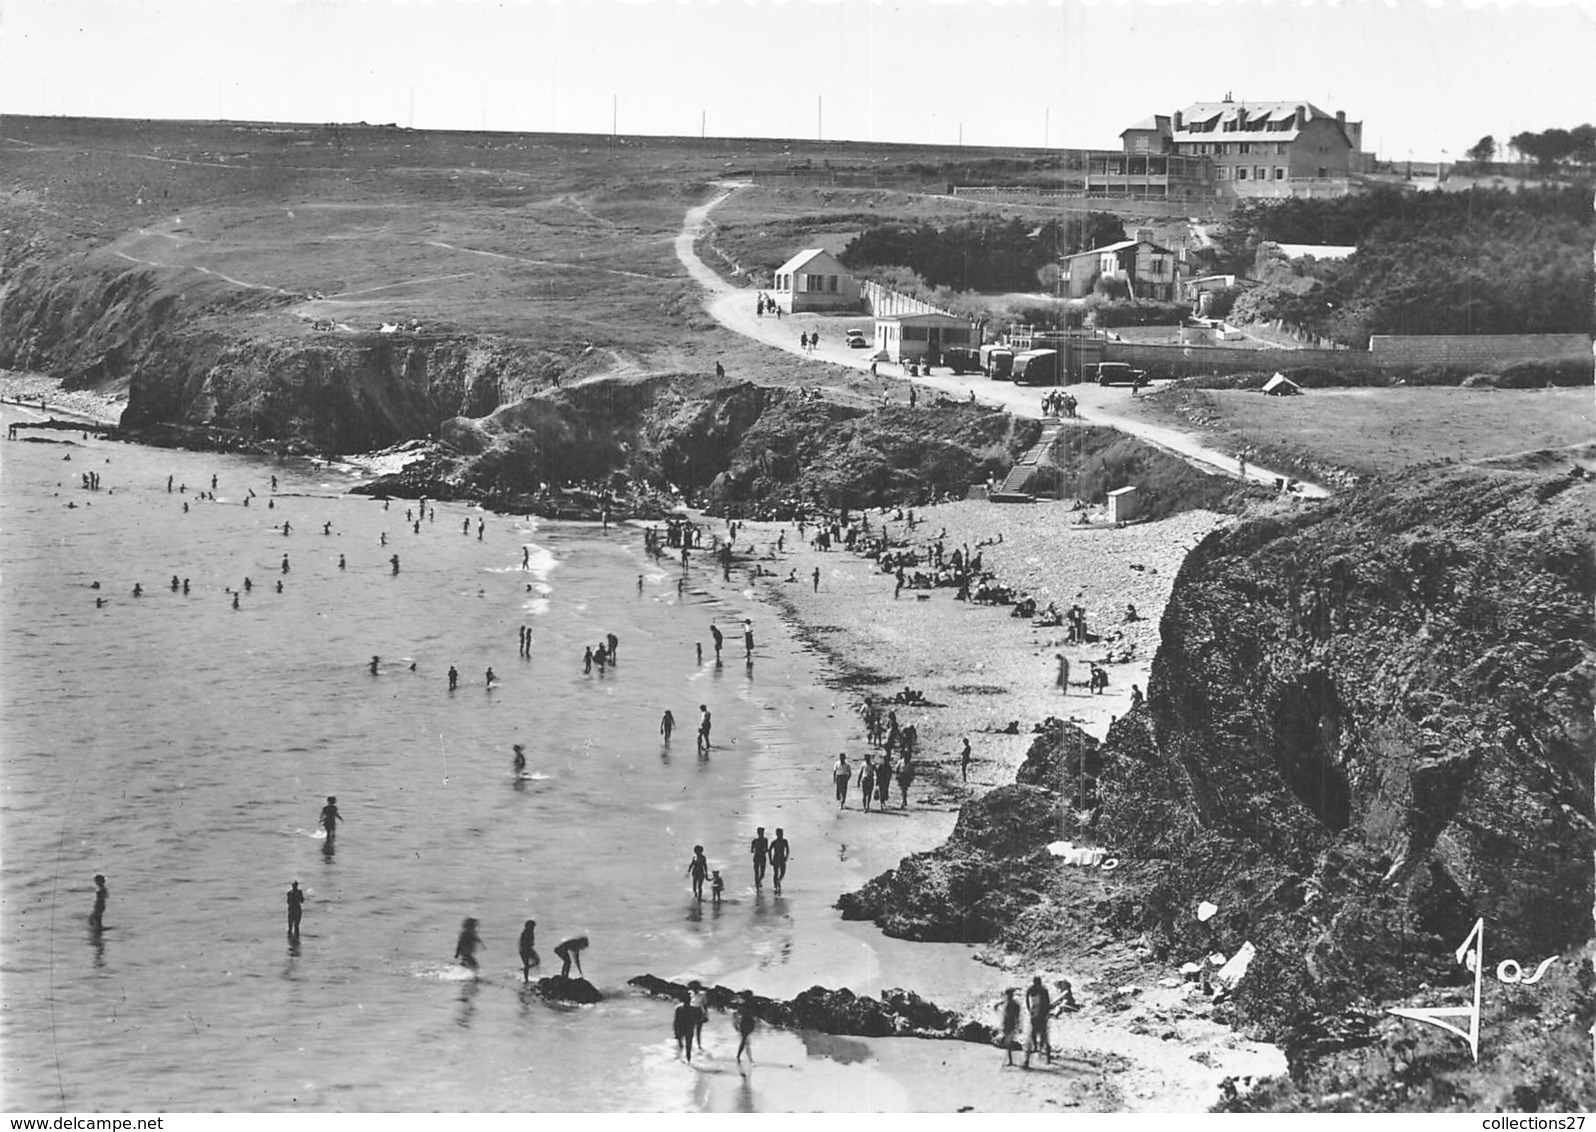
(412, 107)
(1047, 126)
(820, 103)
(961, 135)
(615, 116)
(703, 116)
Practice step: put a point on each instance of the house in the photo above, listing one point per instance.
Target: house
(1149, 270)
(922, 337)
(813, 280)
(1289, 148)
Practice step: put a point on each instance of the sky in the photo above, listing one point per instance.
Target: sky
(1426, 79)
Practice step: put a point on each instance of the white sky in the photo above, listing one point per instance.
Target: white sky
(1427, 80)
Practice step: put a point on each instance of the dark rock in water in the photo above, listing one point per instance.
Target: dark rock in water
(898, 1013)
(563, 989)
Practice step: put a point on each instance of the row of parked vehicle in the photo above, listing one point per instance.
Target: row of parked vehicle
(1043, 367)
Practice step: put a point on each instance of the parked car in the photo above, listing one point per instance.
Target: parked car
(856, 339)
(1117, 373)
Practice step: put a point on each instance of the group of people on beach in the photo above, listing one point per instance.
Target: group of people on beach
(766, 853)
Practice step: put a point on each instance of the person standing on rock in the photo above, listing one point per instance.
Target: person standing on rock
(570, 951)
(1011, 1023)
(759, 849)
(841, 774)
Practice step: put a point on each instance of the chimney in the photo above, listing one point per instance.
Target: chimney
(1341, 118)
(1144, 235)
(1227, 96)
(1302, 115)
(1241, 117)
(1179, 122)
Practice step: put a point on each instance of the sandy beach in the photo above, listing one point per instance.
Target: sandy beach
(984, 670)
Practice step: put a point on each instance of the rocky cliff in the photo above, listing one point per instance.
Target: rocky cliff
(1368, 726)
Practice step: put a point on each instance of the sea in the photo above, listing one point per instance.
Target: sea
(184, 743)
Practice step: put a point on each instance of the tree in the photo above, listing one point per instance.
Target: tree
(1482, 152)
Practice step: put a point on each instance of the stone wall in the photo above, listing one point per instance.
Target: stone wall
(1481, 350)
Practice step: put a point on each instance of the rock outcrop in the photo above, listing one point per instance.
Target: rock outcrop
(563, 988)
(897, 1013)
(1369, 726)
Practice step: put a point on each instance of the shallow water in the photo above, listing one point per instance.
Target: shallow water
(184, 749)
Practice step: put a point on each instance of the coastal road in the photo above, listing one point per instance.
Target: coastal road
(734, 308)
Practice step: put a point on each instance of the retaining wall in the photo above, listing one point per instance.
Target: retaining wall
(1187, 361)
(1482, 350)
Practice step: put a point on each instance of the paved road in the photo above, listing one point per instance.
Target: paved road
(734, 308)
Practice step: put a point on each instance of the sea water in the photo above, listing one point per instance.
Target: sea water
(184, 748)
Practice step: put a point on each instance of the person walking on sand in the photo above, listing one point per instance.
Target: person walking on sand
(905, 780)
(296, 907)
(1063, 674)
(759, 849)
(570, 951)
(715, 633)
(746, 1022)
(816, 576)
(780, 851)
(703, 728)
(454, 678)
(698, 869)
(529, 953)
(1011, 1023)
(964, 761)
(698, 999)
(867, 782)
(667, 724)
(883, 781)
(465, 948)
(1039, 1005)
(841, 775)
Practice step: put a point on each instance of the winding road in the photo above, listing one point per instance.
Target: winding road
(733, 307)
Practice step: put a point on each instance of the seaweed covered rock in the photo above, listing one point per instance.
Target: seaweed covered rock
(897, 1013)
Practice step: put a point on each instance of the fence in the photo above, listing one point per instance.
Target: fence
(883, 302)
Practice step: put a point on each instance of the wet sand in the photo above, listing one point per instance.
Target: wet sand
(985, 669)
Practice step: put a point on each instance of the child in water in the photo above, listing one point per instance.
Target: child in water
(716, 887)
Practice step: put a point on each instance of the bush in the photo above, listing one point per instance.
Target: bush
(1537, 375)
(1133, 313)
(1480, 381)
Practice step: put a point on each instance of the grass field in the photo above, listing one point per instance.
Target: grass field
(1372, 431)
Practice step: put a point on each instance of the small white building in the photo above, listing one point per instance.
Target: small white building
(1122, 505)
(922, 337)
(813, 280)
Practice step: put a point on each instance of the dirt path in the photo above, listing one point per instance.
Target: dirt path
(734, 308)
